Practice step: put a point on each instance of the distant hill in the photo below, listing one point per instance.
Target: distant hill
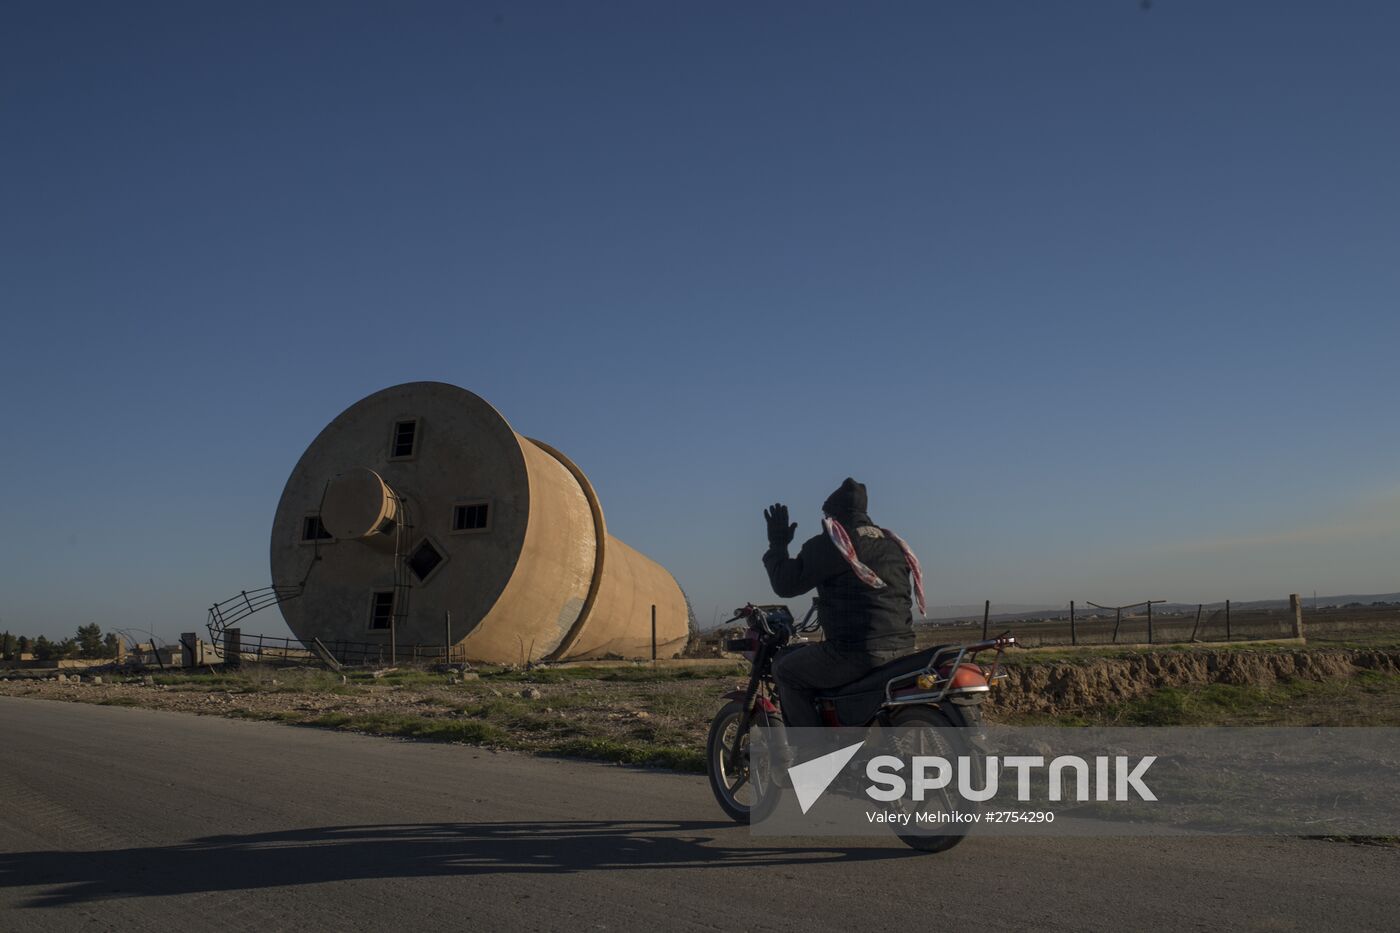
(1344, 600)
(1004, 612)
(938, 613)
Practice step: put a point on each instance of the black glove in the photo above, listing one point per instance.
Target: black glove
(779, 531)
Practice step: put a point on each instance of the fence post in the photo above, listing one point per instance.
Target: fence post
(1149, 621)
(986, 616)
(233, 647)
(1073, 637)
(447, 637)
(653, 631)
(1199, 606)
(1295, 602)
(1117, 621)
(1227, 620)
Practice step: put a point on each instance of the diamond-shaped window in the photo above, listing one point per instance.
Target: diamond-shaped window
(424, 560)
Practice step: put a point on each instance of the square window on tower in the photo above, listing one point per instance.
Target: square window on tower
(313, 530)
(471, 516)
(381, 611)
(404, 440)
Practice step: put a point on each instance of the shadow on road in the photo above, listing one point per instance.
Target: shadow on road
(344, 853)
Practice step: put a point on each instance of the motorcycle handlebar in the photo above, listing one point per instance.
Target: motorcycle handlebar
(758, 618)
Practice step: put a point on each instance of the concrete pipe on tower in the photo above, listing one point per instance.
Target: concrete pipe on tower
(420, 500)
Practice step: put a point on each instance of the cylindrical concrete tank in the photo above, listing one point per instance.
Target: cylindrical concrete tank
(421, 500)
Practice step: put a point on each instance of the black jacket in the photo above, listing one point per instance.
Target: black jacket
(854, 615)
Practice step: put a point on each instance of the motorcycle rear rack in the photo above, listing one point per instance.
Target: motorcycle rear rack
(943, 686)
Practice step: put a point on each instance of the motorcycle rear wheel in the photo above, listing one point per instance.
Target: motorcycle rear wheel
(744, 789)
(933, 733)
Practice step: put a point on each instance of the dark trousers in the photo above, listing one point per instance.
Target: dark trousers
(804, 671)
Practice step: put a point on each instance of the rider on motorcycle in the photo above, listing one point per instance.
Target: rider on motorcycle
(862, 576)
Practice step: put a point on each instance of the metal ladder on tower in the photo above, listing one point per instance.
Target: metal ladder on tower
(403, 580)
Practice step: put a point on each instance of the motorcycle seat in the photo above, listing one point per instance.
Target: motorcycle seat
(876, 679)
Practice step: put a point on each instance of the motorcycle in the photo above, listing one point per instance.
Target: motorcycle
(933, 697)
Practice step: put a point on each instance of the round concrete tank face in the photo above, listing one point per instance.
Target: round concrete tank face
(421, 500)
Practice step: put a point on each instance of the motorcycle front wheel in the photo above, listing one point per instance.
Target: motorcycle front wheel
(744, 788)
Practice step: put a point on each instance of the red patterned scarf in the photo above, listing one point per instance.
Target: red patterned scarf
(867, 576)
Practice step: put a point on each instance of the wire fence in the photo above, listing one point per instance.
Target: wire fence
(229, 644)
(1149, 622)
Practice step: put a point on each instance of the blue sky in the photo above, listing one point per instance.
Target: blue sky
(1100, 303)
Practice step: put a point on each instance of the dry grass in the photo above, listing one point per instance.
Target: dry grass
(645, 715)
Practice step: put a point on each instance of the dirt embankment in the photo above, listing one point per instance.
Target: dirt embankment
(1070, 686)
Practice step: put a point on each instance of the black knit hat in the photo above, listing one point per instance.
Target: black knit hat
(846, 500)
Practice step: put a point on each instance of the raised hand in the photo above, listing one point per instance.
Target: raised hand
(780, 533)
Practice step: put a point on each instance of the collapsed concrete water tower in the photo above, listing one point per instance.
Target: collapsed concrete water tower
(420, 500)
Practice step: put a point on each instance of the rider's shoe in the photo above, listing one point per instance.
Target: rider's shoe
(782, 761)
(781, 755)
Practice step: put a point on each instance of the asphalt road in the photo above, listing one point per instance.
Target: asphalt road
(133, 819)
